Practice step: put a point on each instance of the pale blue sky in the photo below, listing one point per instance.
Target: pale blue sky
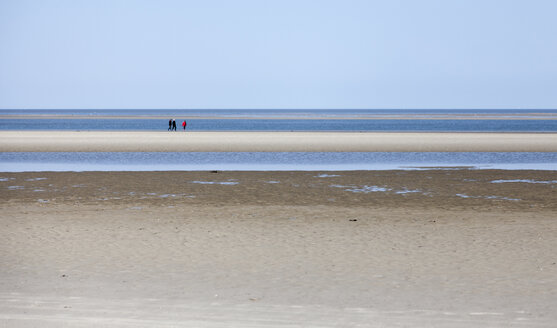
(278, 54)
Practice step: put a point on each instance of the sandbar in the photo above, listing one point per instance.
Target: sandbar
(148, 141)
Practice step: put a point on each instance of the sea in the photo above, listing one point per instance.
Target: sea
(284, 120)
(337, 120)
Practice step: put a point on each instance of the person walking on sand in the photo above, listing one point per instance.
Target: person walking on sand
(184, 125)
(174, 125)
(169, 124)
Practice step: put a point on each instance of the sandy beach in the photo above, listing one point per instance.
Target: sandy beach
(95, 141)
(436, 248)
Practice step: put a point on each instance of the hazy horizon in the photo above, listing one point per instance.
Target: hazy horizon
(285, 109)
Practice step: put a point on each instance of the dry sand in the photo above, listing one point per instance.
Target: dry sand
(95, 141)
(440, 248)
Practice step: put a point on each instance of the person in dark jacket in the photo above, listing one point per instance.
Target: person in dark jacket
(169, 124)
(174, 125)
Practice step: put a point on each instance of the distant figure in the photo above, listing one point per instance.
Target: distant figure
(169, 124)
(184, 125)
(174, 125)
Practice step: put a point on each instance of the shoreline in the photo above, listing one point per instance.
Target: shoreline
(148, 141)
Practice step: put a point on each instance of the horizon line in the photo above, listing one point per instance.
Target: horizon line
(289, 108)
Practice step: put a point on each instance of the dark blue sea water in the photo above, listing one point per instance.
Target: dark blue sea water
(261, 113)
(216, 124)
(492, 120)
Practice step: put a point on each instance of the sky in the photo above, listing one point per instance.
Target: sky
(296, 54)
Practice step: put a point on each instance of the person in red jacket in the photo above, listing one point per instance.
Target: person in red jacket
(184, 125)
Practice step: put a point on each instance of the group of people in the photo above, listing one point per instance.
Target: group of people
(172, 125)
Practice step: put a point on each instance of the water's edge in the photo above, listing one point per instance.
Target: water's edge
(271, 161)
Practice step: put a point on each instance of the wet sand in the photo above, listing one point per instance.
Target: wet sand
(437, 248)
(95, 141)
